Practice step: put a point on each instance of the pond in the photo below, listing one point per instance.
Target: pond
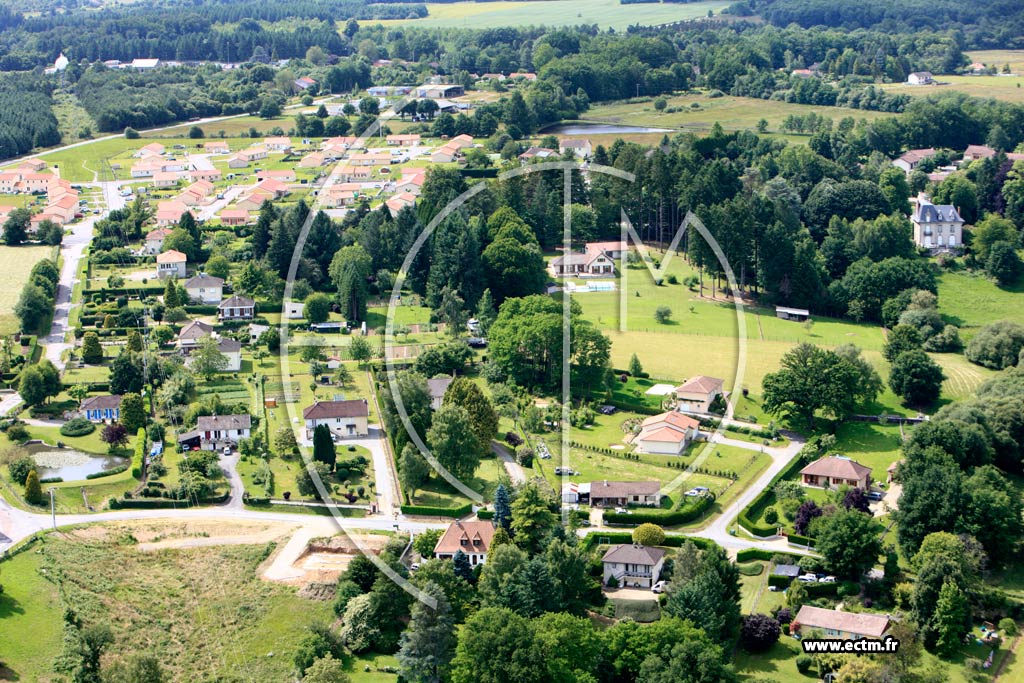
(585, 128)
(69, 464)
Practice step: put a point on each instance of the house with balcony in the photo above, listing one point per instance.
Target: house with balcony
(937, 227)
(237, 308)
(633, 565)
(343, 418)
(472, 538)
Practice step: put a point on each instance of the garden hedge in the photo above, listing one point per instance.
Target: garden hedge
(485, 514)
(431, 511)
(107, 473)
(686, 513)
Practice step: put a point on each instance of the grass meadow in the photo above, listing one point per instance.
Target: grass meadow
(604, 13)
(15, 265)
(1009, 88)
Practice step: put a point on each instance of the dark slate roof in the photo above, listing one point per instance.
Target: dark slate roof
(209, 423)
(105, 402)
(324, 410)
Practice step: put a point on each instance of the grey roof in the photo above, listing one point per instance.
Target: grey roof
(237, 301)
(323, 410)
(438, 386)
(226, 345)
(195, 330)
(203, 280)
(791, 570)
(208, 423)
(105, 402)
(927, 212)
(623, 489)
(634, 554)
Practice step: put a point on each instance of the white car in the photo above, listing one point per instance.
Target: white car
(807, 578)
(227, 450)
(659, 587)
(827, 579)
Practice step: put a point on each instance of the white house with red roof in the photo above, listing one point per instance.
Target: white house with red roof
(698, 393)
(170, 263)
(666, 434)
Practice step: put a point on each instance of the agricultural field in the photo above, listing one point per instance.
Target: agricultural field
(605, 13)
(1009, 88)
(15, 265)
(698, 112)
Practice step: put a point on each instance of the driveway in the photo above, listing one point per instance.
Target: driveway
(229, 463)
(514, 469)
(388, 498)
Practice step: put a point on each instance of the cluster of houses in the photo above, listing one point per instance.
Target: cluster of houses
(32, 177)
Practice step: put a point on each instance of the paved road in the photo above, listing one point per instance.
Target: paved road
(229, 463)
(388, 498)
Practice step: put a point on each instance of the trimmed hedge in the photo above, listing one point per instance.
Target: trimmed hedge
(139, 456)
(625, 537)
(748, 554)
(686, 513)
(485, 514)
(78, 426)
(797, 539)
(107, 473)
(431, 511)
(162, 503)
(52, 480)
(634, 407)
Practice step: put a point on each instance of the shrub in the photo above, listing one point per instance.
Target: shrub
(771, 516)
(17, 433)
(649, 534)
(759, 632)
(20, 468)
(524, 456)
(513, 439)
(78, 426)
(804, 663)
(1008, 626)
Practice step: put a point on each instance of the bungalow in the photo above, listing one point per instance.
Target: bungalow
(211, 175)
(537, 153)
(170, 263)
(936, 226)
(920, 78)
(911, 159)
(633, 565)
(278, 144)
(285, 175)
(191, 333)
(234, 217)
(342, 194)
(370, 159)
(444, 155)
(218, 431)
(236, 161)
(32, 165)
(343, 418)
(668, 433)
(236, 308)
(253, 198)
(834, 471)
(404, 140)
(400, 201)
(144, 63)
(274, 186)
(252, 154)
(312, 160)
(698, 393)
(354, 173)
(594, 260)
(169, 212)
(525, 75)
(101, 408)
(796, 314)
(461, 141)
(165, 179)
(304, 83)
(472, 538)
(437, 387)
(580, 148)
(216, 147)
(153, 148)
(206, 289)
(838, 624)
(622, 493)
(411, 183)
(43, 217)
(344, 142)
(978, 152)
(201, 188)
(155, 240)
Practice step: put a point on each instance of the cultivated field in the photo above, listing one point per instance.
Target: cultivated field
(1009, 88)
(15, 265)
(604, 13)
(733, 113)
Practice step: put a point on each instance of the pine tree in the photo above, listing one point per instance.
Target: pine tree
(133, 412)
(262, 232)
(952, 619)
(502, 507)
(461, 565)
(428, 645)
(635, 369)
(171, 297)
(323, 446)
(282, 245)
(485, 312)
(134, 341)
(34, 491)
(187, 222)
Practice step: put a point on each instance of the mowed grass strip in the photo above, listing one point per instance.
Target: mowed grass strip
(15, 265)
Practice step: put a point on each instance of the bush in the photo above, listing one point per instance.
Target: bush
(513, 439)
(1008, 627)
(20, 468)
(759, 632)
(17, 433)
(78, 426)
(432, 511)
(649, 534)
(804, 663)
(686, 513)
(771, 516)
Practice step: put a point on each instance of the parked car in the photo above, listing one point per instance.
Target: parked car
(773, 589)
(659, 587)
(227, 450)
(621, 511)
(875, 495)
(827, 579)
(606, 410)
(807, 578)
(414, 566)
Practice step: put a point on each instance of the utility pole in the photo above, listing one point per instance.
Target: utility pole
(53, 512)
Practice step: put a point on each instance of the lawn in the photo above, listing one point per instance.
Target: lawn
(733, 113)
(604, 13)
(15, 265)
(874, 445)
(439, 493)
(1007, 88)
(201, 609)
(971, 301)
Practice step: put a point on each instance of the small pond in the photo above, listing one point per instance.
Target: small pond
(600, 129)
(70, 464)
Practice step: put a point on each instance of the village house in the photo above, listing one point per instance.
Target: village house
(284, 175)
(444, 155)
(537, 153)
(219, 431)
(232, 352)
(525, 75)
(343, 418)
(472, 538)
(216, 147)
(32, 166)
(632, 566)
(236, 161)
(910, 160)
(370, 159)
(436, 387)
(440, 91)
(251, 154)
(342, 194)
(191, 333)
(974, 152)
(170, 263)
(237, 307)
(834, 623)
(833, 471)
(64, 208)
(278, 144)
(211, 175)
(34, 183)
(412, 184)
(698, 393)
(668, 433)
(206, 289)
(597, 258)
(920, 78)
(155, 240)
(275, 187)
(164, 179)
(606, 493)
(304, 83)
(400, 201)
(233, 217)
(580, 148)
(101, 408)
(936, 226)
(404, 140)
(312, 160)
(153, 148)
(169, 212)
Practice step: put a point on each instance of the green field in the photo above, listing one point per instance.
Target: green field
(733, 113)
(604, 13)
(1007, 88)
(15, 265)
(971, 301)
